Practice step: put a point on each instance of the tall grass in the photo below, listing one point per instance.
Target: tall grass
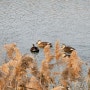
(65, 73)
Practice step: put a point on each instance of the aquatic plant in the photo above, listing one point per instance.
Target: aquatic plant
(21, 72)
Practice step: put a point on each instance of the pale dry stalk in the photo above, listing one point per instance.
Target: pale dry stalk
(34, 84)
(58, 52)
(72, 72)
(74, 66)
(88, 79)
(45, 71)
(10, 50)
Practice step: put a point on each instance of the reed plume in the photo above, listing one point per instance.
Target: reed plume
(2, 79)
(10, 50)
(34, 84)
(72, 72)
(47, 53)
(74, 66)
(88, 79)
(22, 73)
(46, 67)
(58, 52)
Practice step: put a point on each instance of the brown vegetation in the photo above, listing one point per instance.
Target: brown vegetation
(14, 73)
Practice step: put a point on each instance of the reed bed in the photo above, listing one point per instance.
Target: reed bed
(65, 73)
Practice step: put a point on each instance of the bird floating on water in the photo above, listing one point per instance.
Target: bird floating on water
(34, 49)
(67, 49)
(66, 55)
(43, 44)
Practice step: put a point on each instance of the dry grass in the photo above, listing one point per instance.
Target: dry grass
(88, 79)
(14, 73)
(58, 52)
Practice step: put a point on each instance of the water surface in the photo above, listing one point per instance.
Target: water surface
(27, 21)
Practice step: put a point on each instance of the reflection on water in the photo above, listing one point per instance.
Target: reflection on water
(27, 21)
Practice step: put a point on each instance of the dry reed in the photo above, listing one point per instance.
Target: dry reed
(14, 73)
(88, 79)
(57, 50)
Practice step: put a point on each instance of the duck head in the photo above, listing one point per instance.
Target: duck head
(63, 46)
(39, 41)
(33, 45)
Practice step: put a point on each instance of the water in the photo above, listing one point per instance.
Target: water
(27, 21)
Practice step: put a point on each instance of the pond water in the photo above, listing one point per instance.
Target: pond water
(27, 21)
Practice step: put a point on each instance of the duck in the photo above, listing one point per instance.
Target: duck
(67, 49)
(34, 49)
(66, 55)
(43, 44)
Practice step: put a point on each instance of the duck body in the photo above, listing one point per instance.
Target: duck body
(67, 49)
(66, 55)
(43, 44)
(34, 49)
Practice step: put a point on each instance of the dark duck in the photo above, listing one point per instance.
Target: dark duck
(34, 49)
(67, 49)
(43, 44)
